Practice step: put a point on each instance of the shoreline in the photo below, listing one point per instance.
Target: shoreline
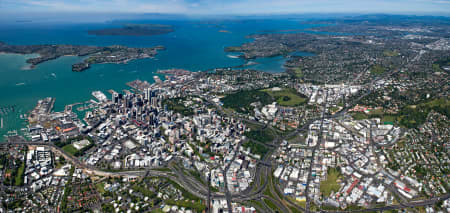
(22, 54)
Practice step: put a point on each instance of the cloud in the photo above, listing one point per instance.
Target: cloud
(131, 6)
(225, 6)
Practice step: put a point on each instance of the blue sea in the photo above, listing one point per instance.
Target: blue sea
(194, 45)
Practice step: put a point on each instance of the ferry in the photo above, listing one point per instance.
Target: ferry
(99, 96)
(12, 133)
(250, 63)
(233, 56)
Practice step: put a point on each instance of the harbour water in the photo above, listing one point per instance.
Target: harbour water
(195, 45)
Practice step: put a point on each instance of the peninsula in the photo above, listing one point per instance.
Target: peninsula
(97, 55)
(134, 30)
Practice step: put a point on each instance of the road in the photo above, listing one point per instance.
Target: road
(192, 186)
(263, 170)
(317, 146)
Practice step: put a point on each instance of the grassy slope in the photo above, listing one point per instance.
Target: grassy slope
(286, 97)
(330, 184)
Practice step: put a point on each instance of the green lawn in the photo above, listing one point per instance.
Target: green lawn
(298, 72)
(177, 105)
(268, 192)
(390, 53)
(334, 109)
(287, 97)
(100, 187)
(388, 119)
(300, 203)
(69, 148)
(294, 210)
(359, 115)
(437, 68)
(256, 148)
(241, 100)
(198, 206)
(253, 126)
(19, 178)
(330, 184)
(413, 116)
(376, 112)
(271, 205)
(377, 70)
(261, 135)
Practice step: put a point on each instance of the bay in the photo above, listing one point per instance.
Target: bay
(194, 45)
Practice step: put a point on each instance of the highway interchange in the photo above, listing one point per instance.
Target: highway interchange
(262, 177)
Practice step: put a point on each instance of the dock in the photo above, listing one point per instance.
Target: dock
(69, 107)
(157, 79)
(139, 85)
(7, 109)
(127, 92)
(112, 92)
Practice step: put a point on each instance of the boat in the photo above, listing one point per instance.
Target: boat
(99, 96)
(233, 56)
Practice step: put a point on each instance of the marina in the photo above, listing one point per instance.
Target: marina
(55, 77)
(86, 107)
(7, 109)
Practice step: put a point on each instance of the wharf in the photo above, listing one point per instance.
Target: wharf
(127, 92)
(111, 91)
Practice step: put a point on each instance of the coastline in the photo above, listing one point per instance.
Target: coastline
(23, 54)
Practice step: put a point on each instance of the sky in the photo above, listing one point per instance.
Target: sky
(214, 7)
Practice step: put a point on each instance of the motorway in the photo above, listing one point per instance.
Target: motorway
(255, 192)
(261, 177)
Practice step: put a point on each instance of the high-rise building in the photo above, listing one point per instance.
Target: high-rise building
(147, 94)
(115, 97)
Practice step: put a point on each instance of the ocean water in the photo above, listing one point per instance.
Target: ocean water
(194, 45)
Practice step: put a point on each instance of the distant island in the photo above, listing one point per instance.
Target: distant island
(134, 30)
(97, 55)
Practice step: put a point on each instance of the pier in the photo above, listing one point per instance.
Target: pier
(7, 109)
(127, 92)
(69, 107)
(111, 91)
